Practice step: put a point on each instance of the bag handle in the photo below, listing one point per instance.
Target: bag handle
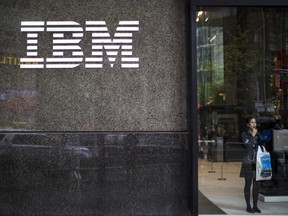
(262, 148)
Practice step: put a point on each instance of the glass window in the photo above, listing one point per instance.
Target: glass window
(242, 66)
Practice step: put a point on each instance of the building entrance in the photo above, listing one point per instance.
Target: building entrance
(242, 70)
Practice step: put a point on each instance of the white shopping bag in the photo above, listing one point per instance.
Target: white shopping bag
(263, 165)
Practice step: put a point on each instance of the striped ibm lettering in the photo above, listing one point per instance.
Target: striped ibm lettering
(119, 44)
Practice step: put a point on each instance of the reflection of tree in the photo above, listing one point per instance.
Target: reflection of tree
(239, 57)
(211, 81)
(236, 78)
(245, 65)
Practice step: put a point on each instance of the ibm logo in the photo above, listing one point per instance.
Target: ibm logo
(101, 41)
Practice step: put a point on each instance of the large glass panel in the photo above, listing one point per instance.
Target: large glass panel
(242, 56)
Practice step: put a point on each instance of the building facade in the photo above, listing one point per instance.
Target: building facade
(106, 107)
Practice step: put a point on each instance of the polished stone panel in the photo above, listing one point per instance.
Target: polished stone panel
(93, 174)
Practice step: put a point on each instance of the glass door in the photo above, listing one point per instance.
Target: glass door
(242, 70)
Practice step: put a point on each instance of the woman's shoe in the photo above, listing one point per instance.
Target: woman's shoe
(256, 209)
(250, 210)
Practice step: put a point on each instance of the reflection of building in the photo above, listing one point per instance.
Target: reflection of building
(232, 66)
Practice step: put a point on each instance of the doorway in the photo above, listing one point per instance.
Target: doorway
(242, 70)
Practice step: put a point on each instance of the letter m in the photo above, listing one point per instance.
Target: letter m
(102, 40)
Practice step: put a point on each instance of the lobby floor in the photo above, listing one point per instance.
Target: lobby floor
(225, 189)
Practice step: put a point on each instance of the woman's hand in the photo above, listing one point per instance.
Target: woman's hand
(254, 131)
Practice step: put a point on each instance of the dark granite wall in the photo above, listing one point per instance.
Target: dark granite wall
(151, 97)
(61, 161)
(93, 174)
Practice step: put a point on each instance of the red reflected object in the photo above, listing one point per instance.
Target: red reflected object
(18, 100)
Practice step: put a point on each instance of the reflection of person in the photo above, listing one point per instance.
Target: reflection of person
(130, 151)
(221, 130)
(251, 139)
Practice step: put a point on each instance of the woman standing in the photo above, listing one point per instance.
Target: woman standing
(251, 139)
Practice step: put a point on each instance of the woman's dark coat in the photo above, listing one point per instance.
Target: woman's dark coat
(251, 143)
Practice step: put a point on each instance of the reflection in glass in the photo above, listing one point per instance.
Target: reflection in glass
(242, 70)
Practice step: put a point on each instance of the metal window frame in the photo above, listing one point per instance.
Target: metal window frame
(191, 9)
